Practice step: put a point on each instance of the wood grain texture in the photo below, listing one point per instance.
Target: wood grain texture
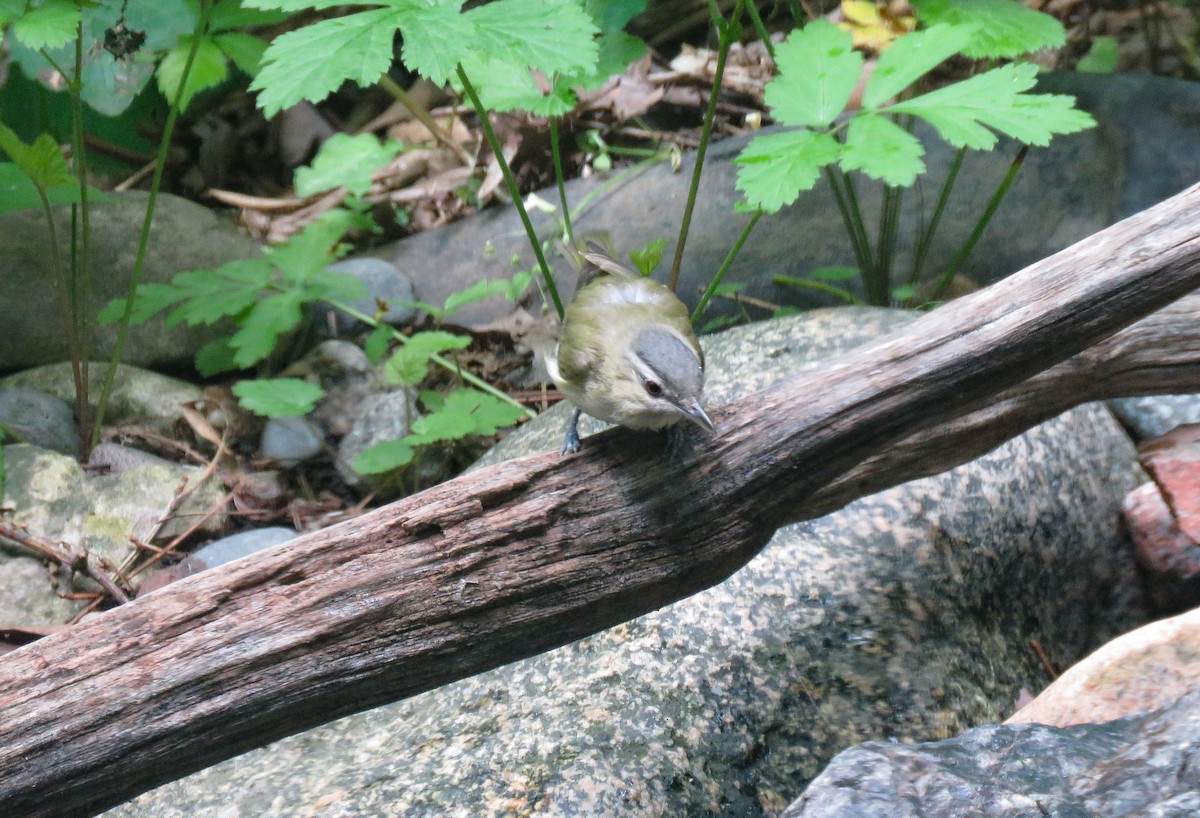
(530, 554)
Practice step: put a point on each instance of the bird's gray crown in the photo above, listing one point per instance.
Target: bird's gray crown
(672, 361)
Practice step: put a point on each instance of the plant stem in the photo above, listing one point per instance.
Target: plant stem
(752, 10)
(448, 365)
(926, 240)
(727, 32)
(511, 182)
(81, 256)
(425, 118)
(558, 178)
(160, 163)
(819, 286)
(733, 251)
(851, 219)
(889, 219)
(981, 225)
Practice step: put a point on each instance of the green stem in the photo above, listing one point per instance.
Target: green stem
(558, 178)
(510, 181)
(448, 365)
(61, 288)
(889, 220)
(727, 32)
(819, 286)
(160, 164)
(851, 219)
(926, 240)
(425, 118)
(81, 266)
(733, 251)
(752, 9)
(981, 225)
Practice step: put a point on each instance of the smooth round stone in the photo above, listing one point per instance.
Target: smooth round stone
(290, 440)
(41, 419)
(384, 282)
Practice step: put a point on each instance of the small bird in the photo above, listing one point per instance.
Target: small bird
(626, 352)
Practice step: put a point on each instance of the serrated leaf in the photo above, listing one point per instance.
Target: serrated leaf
(293, 6)
(882, 150)
(436, 39)
(518, 284)
(504, 86)
(311, 62)
(245, 50)
(409, 364)
(383, 457)
(332, 285)
(1003, 28)
(431, 400)
(51, 24)
(345, 161)
(10, 10)
(260, 330)
(151, 299)
(465, 412)
(313, 248)
(912, 57)
(210, 295)
(551, 36)
(818, 69)
(995, 99)
(228, 15)
(774, 169)
(208, 69)
(278, 397)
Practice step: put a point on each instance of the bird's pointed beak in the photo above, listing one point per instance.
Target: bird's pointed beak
(696, 414)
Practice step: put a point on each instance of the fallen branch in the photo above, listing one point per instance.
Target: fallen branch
(530, 554)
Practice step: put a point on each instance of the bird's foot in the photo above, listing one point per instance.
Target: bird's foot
(571, 439)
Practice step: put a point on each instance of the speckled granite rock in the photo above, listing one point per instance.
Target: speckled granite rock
(907, 615)
(1151, 417)
(1142, 767)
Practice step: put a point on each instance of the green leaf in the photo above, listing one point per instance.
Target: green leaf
(383, 457)
(376, 345)
(409, 364)
(882, 150)
(465, 412)
(903, 292)
(278, 397)
(262, 326)
(478, 291)
(994, 99)
(346, 161)
(1101, 58)
(293, 6)
(18, 192)
(774, 169)
(551, 36)
(215, 357)
(51, 24)
(151, 299)
(613, 15)
(208, 69)
(431, 400)
(818, 70)
(245, 50)
(11, 10)
(503, 86)
(311, 62)
(1003, 28)
(911, 57)
(228, 15)
(649, 256)
(210, 295)
(308, 252)
(518, 284)
(436, 39)
(42, 161)
(332, 285)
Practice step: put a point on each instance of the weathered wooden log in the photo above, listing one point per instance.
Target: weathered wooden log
(530, 554)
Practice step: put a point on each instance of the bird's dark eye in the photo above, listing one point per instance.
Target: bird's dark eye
(654, 389)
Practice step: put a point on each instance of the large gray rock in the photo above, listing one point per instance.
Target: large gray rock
(1138, 767)
(907, 615)
(185, 236)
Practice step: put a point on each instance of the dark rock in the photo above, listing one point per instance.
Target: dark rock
(384, 281)
(1142, 766)
(40, 419)
(185, 236)
(1147, 418)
